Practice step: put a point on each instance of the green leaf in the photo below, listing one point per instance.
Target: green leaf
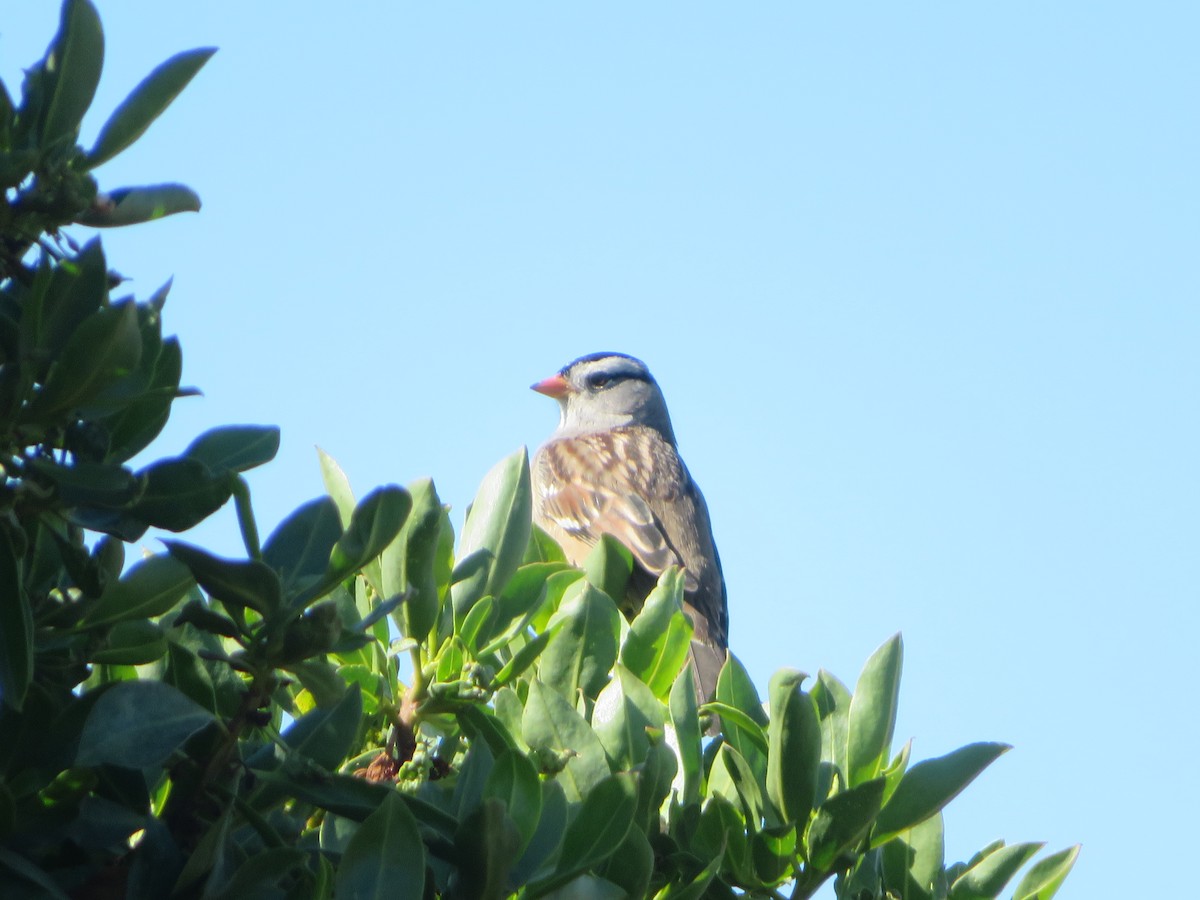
(873, 712)
(833, 709)
(374, 524)
(521, 660)
(794, 758)
(16, 627)
(608, 567)
(548, 837)
(551, 724)
(267, 874)
(495, 535)
(986, 877)
(180, 493)
(409, 562)
(235, 448)
(632, 865)
(134, 205)
(73, 64)
(91, 484)
(73, 291)
(600, 828)
(242, 583)
(514, 781)
(146, 103)
(913, 863)
(685, 721)
(744, 783)
(138, 724)
(656, 645)
(524, 594)
(773, 850)
(300, 547)
(324, 736)
(488, 845)
(132, 429)
(623, 712)
(131, 644)
(842, 821)
(105, 346)
(583, 643)
(656, 778)
(1046, 876)
(929, 785)
(150, 588)
(385, 858)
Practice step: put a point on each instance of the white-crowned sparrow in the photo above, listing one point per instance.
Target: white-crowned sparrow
(612, 467)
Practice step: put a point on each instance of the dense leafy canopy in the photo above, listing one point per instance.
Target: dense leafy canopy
(355, 708)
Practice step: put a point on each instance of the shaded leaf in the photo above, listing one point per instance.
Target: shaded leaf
(385, 858)
(138, 724)
(236, 448)
(608, 567)
(146, 103)
(242, 583)
(73, 64)
(16, 627)
(180, 493)
(299, 548)
(842, 821)
(150, 588)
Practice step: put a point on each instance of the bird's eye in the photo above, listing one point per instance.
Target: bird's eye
(598, 380)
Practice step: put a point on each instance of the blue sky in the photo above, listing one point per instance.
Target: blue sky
(919, 282)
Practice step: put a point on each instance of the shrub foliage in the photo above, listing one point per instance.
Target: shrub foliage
(357, 708)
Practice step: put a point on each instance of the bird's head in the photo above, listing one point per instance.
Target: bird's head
(601, 391)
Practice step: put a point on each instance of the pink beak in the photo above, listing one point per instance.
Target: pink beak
(555, 386)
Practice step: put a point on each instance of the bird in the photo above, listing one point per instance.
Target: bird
(612, 466)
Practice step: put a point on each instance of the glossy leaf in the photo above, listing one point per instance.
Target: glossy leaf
(241, 583)
(236, 448)
(686, 724)
(514, 781)
(150, 588)
(599, 828)
(623, 712)
(521, 660)
(986, 877)
(913, 862)
(583, 643)
(794, 739)
(873, 713)
(656, 645)
(73, 62)
(843, 821)
(138, 724)
(929, 785)
(385, 858)
(408, 563)
(550, 723)
(496, 533)
(832, 699)
(1046, 876)
(608, 567)
(146, 103)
